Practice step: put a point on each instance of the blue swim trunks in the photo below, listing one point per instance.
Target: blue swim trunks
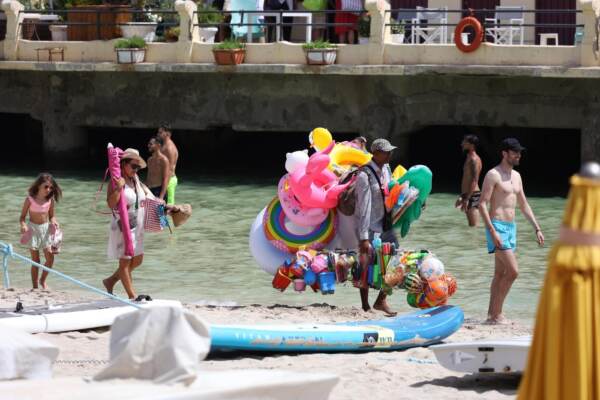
(507, 232)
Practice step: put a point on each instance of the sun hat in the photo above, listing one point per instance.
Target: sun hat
(182, 214)
(381, 145)
(133, 154)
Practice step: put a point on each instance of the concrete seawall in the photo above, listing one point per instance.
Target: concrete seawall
(376, 101)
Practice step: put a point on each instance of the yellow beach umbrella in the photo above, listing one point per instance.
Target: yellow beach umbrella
(564, 360)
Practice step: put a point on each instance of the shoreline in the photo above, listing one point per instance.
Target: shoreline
(406, 374)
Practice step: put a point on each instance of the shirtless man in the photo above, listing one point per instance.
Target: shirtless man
(158, 169)
(170, 151)
(470, 194)
(503, 190)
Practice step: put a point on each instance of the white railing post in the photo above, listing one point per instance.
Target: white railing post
(379, 35)
(188, 31)
(590, 55)
(11, 42)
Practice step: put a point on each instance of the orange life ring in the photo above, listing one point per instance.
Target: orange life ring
(460, 28)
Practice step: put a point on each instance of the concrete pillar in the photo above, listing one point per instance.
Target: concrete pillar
(379, 35)
(63, 140)
(590, 56)
(11, 9)
(590, 135)
(188, 31)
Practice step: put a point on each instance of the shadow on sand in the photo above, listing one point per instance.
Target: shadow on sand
(480, 383)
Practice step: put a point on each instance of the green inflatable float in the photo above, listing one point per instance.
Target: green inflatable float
(420, 177)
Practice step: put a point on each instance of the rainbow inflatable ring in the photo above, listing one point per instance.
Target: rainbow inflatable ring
(280, 236)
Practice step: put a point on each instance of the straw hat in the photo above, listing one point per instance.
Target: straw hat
(182, 214)
(133, 154)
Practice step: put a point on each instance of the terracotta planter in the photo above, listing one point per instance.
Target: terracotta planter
(321, 56)
(229, 57)
(110, 15)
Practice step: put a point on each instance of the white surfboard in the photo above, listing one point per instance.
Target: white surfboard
(501, 355)
(71, 317)
(227, 385)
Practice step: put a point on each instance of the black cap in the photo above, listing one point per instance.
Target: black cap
(511, 144)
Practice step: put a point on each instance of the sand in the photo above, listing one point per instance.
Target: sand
(377, 375)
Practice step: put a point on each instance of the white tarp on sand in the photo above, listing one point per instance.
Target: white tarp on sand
(162, 344)
(22, 355)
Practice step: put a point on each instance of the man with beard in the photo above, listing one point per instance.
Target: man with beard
(503, 190)
(470, 193)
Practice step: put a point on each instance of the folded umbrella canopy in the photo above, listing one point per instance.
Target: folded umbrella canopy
(564, 360)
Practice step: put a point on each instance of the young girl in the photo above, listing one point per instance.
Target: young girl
(44, 193)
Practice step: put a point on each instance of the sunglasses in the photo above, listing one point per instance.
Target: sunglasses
(48, 187)
(135, 167)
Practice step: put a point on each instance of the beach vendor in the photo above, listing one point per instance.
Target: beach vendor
(372, 219)
(43, 194)
(135, 193)
(170, 151)
(503, 191)
(158, 176)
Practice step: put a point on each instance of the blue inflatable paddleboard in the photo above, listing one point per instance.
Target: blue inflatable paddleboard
(420, 328)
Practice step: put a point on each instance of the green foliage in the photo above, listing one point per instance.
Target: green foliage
(364, 26)
(208, 14)
(172, 34)
(76, 3)
(135, 42)
(229, 44)
(397, 27)
(318, 44)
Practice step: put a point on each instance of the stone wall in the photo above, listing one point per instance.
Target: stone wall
(379, 103)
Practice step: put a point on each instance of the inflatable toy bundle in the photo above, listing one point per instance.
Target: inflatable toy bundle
(302, 215)
(406, 195)
(319, 270)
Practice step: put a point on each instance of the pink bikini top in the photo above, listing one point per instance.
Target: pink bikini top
(38, 208)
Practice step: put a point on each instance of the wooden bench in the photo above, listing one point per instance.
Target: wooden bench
(51, 51)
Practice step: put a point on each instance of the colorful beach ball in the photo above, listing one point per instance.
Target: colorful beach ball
(422, 301)
(436, 290)
(452, 285)
(431, 268)
(413, 283)
(411, 299)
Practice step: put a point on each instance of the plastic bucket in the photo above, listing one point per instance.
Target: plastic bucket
(299, 285)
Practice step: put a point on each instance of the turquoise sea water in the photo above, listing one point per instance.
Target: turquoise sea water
(209, 259)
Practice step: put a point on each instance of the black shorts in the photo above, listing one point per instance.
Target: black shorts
(156, 190)
(474, 200)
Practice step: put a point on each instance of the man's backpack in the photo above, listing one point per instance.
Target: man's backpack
(347, 199)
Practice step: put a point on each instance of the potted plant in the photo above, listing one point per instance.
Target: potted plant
(364, 29)
(397, 31)
(144, 24)
(320, 52)
(172, 34)
(229, 52)
(131, 50)
(208, 16)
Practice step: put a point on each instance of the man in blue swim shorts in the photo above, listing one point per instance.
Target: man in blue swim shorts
(503, 191)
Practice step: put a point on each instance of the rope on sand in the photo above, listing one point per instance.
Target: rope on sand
(7, 250)
(88, 361)
(420, 360)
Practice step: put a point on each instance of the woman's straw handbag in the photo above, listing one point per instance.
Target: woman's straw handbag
(184, 211)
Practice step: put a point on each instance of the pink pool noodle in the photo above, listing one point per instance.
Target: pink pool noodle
(114, 168)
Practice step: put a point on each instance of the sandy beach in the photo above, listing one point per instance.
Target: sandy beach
(377, 375)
